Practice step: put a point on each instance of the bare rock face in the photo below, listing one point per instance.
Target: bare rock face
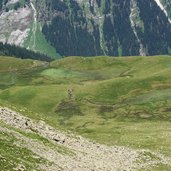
(12, 2)
(15, 23)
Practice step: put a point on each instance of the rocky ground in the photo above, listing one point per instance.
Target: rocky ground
(79, 154)
(15, 25)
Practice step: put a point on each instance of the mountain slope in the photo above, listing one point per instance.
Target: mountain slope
(48, 149)
(89, 28)
(121, 102)
(19, 26)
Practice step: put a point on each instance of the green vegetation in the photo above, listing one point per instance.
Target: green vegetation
(9, 64)
(110, 31)
(36, 137)
(116, 101)
(20, 52)
(41, 44)
(14, 156)
(13, 6)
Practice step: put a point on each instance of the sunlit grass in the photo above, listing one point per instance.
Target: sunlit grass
(121, 101)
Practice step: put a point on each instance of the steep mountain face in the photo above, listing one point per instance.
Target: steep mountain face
(15, 19)
(19, 25)
(89, 27)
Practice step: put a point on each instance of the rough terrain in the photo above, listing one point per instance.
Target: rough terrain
(79, 153)
(15, 25)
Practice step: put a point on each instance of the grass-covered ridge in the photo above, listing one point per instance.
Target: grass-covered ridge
(122, 101)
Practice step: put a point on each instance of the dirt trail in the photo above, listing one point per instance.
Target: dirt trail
(87, 155)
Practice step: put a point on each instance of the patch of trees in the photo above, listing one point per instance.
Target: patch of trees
(117, 29)
(157, 29)
(1, 1)
(15, 6)
(72, 33)
(122, 28)
(23, 53)
(99, 3)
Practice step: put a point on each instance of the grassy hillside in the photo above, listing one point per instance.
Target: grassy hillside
(41, 43)
(9, 64)
(116, 101)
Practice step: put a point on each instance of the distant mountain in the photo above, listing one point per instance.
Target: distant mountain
(88, 27)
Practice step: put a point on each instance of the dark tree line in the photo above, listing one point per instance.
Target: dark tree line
(20, 52)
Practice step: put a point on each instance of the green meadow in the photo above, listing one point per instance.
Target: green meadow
(115, 101)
